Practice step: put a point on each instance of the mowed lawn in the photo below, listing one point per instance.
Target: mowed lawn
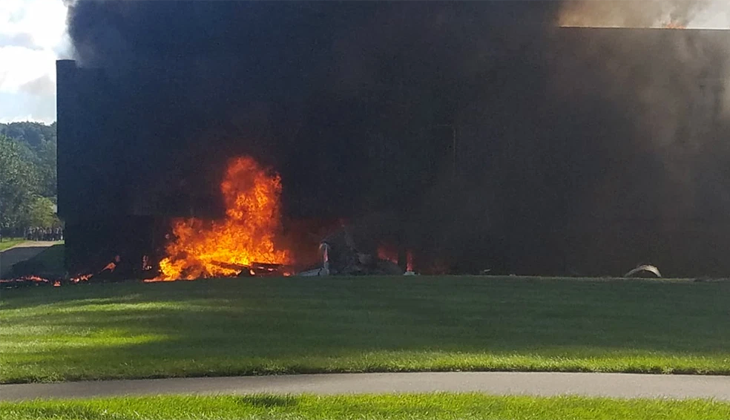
(263, 326)
(10, 242)
(411, 407)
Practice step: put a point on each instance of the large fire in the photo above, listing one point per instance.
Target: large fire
(244, 238)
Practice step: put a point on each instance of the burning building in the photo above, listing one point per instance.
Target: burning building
(467, 145)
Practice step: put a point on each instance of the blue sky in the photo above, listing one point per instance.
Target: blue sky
(33, 36)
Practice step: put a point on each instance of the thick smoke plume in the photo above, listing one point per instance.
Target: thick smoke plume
(357, 106)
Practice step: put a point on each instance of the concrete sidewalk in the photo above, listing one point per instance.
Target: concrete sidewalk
(498, 383)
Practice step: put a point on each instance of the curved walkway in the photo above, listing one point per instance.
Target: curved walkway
(615, 385)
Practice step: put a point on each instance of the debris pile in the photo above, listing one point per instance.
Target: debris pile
(341, 256)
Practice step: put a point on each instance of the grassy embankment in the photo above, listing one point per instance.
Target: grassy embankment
(51, 259)
(411, 407)
(259, 326)
(10, 242)
(48, 263)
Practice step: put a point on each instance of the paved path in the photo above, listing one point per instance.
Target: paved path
(499, 383)
(21, 252)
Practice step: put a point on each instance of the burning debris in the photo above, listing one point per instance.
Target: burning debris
(341, 256)
(243, 242)
(38, 281)
(25, 280)
(115, 270)
(390, 253)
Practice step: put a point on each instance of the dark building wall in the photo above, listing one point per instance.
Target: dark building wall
(587, 152)
(93, 191)
(664, 200)
(90, 155)
(617, 157)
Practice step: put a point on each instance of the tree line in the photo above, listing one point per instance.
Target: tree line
(27, 177)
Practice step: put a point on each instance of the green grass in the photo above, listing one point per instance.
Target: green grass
(411, 407)
(261, 326)
(48, 263)
(10, 242)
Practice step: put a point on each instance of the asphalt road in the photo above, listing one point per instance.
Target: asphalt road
(615, 385)
(21, 252)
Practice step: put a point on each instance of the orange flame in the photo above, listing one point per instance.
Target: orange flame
(673, 25)
(111, 267)
(208, 249)
(80, 278)
(34, 278)
(388, 253)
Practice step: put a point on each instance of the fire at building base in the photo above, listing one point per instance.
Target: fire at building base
(579, 152)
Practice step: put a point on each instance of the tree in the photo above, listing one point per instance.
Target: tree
(19, 183)
(31, 133)
(40, 214)
(27, 175)
(38, 145)
(46, 164)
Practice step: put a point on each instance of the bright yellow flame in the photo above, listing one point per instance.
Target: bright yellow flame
(202, 249)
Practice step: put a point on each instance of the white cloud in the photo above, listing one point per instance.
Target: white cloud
(32, 37)
(43, 20)
(19, 66)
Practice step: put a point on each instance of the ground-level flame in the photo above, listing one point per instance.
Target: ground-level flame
(390, 253)
(673, 25)
(246, 236)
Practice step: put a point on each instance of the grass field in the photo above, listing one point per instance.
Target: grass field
(258, 326)
(412, 407)
(10, 242)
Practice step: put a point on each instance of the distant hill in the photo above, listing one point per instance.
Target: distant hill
(38, 141)
(34, 134)
(27, 177)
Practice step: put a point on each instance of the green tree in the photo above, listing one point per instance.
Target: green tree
(46, 164)
(19, 183)
(33, 134)
(38, 144)
(40, 214)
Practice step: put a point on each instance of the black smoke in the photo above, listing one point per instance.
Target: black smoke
(356, 105)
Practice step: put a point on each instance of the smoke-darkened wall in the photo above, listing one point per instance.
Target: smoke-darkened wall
(560, 134)
(319, 90)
